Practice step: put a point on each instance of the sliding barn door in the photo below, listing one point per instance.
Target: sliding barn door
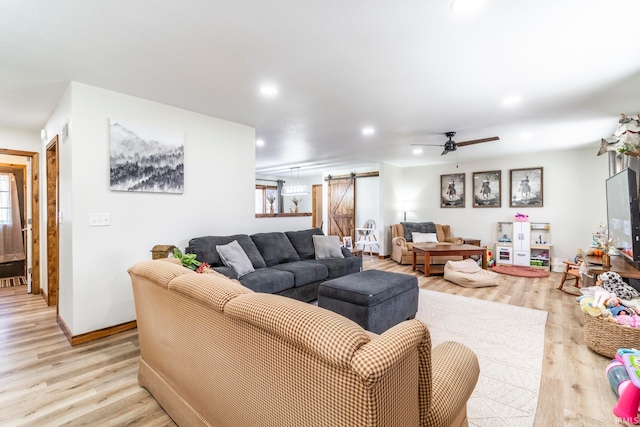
(342, 202)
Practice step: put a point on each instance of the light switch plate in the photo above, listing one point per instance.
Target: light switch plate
(99, 219)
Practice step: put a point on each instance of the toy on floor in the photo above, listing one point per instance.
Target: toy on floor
(490, 261)
(624, 377)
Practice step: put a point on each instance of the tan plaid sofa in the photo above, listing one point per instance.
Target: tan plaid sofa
(402, 250)
(214, 353)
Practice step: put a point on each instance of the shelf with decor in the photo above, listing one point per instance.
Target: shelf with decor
(541, 245)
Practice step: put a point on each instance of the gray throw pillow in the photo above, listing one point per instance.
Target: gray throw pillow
(232, 255)
(327, 247)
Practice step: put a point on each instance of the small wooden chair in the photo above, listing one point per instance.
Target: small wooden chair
(571, 271)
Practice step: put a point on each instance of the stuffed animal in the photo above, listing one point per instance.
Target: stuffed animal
(612, 282)
(586, 305)
(601, 298)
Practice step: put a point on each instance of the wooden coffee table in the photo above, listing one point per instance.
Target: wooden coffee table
(429, 250)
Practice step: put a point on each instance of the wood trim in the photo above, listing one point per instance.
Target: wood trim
(281, 215)
(357, 175)
(17, 152)
(35, 224)
(53, 212)
(93, 335)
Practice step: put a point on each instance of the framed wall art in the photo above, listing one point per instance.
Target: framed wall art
(145, 159)
(487, 189)
(526, 188)
(452, 191)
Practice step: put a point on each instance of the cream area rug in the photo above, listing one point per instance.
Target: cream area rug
(509, 343)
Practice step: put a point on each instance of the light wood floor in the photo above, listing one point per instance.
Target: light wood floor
(46, 382)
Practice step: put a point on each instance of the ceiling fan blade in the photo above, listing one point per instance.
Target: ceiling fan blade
(429, 145)
(444, 152)
(477, 141)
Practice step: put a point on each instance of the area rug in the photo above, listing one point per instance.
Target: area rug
(509, 343)
(514, 270)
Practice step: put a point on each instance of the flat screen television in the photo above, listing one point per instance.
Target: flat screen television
(623, 213)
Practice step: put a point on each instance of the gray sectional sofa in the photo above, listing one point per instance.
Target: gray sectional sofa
(284, 263)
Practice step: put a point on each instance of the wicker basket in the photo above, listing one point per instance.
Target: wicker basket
(605, 337)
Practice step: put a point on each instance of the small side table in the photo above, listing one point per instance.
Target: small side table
(470, 241)
(356, 252)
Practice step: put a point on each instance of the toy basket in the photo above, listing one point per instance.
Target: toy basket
(605, 337)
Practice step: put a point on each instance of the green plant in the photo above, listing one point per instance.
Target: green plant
(187, 260)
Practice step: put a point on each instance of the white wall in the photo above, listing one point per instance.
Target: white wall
(574, 197)
(95, 290)
(17, 139)
(392, 196)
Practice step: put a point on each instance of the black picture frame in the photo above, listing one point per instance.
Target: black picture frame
(452, 190)
(487, 189)
(526, 188)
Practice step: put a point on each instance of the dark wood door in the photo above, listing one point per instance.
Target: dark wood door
(342, 202)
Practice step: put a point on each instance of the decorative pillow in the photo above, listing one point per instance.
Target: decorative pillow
(424, 237)
(420, 227)
(327, 247)
(232, 255)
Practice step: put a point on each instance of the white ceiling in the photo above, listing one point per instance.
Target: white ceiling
(411, 69)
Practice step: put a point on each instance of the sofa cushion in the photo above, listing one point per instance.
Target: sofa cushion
(268, 280)
(232, 255)
(341, 266)
(327, 247)
(304, 272)
(302, 242)
(420, 227)
(205, 249)
(424, 237)
(275, 248)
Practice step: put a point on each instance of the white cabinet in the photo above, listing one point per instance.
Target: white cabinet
(521, 243)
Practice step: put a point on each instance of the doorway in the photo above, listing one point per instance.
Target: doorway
(316, 206)
(13, 224)
(31, 224)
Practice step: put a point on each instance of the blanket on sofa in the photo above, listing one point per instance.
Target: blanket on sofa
(418, 227)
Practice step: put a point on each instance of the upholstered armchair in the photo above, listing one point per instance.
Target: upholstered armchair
(402, 247)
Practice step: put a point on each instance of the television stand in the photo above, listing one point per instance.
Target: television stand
(619, 264)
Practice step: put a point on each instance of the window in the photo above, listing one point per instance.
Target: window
(264, 195)
(5, 199)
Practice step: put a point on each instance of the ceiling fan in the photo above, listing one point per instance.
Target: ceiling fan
(451, 145)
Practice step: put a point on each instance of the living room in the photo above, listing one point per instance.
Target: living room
(222, 161)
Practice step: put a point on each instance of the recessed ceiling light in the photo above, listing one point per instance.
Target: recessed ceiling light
(269, 90)
(526, 135)
(417, 151)
(512, 100)
(368, 131)
(259, 142)
(465, 6)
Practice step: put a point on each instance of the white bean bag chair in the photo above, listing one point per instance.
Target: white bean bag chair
(468, 273)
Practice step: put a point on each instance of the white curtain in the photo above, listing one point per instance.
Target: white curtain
(11, 244)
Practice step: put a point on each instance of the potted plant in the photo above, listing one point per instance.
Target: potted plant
(187, 260)
(271, 198)
(296, 200)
